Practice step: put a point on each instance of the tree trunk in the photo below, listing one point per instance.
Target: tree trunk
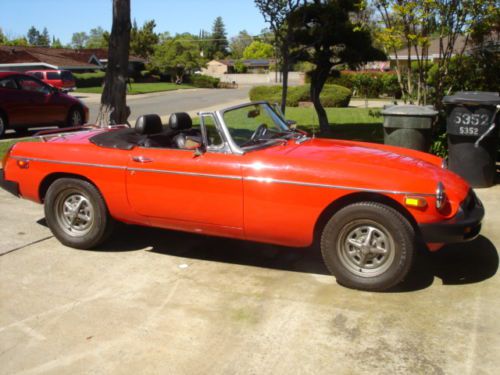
(318, 79)
(284, 90)
(114, 108)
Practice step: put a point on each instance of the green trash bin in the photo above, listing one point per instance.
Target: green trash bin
(409, 126)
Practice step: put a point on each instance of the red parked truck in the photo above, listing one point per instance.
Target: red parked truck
(62, 79)
(243, 173)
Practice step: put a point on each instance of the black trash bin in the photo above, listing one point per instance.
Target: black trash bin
(472, 126)
(409, 126)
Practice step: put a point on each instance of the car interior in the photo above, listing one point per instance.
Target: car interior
(149, 132)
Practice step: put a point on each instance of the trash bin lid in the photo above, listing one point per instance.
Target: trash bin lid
(410, 110)
(473, 98)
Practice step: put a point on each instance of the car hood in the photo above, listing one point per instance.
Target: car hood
(361, 165)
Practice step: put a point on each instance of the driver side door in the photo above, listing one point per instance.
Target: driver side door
(180, 190)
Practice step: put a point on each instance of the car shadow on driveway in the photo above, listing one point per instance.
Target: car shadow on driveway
(465, 263)
(455, 264)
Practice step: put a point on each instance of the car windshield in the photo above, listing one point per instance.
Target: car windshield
(255, 124)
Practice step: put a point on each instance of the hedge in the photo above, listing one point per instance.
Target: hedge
(202, 81)
(331, 96)
(89, 79)
(366, 83)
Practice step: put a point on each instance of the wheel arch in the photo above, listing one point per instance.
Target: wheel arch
(51, 178)
(5, 116)
(352, 198)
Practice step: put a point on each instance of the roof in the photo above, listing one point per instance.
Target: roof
(57, 58)
(250, 63)
(433, 49)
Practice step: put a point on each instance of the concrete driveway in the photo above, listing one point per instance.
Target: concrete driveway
(160, 302)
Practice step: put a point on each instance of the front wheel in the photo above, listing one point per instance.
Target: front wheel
(368, 246)
(77, 214)
(75, 117)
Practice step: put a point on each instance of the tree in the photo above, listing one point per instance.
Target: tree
(219, 43)
(143, 40)
(275, 13)
(3, 38)
(21, 41)
(33, 35)
(258, 50)
(44, 38)
(177, 56)
(113, 100)
(56, 43)
(239, 43)
(325, 35)
(97, 38)
(79, 39)
(411, 24)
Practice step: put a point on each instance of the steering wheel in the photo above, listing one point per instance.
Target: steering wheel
(259, 132)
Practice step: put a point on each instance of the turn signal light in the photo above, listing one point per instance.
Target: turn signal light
(415, 202)
(23, 164)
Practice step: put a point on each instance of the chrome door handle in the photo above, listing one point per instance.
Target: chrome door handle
(141, 159)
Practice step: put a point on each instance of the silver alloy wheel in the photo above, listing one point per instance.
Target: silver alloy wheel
(76, 117)
(366, 248)
(74, 213)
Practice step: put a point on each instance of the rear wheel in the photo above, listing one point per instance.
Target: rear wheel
(75, 117)
(77, 214)
(368, 246)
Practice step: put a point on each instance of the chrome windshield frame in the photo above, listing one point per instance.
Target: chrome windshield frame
(220, 118)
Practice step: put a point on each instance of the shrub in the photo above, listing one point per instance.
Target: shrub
(272, 94)
(331, 96)
(89, 79)
(204, 81)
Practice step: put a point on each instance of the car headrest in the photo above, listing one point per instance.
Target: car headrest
(148, 124)
(180, 121)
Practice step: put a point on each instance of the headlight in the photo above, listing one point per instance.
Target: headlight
(440, 196)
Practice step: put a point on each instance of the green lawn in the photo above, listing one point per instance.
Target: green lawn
(4, 146)
(359, 124)
(140, 88)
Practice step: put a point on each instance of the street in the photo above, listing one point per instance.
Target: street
(165, 103)
(156, 301)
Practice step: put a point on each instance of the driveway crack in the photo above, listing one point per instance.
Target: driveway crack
(24, 246)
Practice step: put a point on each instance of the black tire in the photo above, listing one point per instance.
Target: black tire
(3, 124)
(374, 264)
(75, 117)
(93, 224)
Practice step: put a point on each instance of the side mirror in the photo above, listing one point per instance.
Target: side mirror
(199, 151)
(291, 124)
(253, 113)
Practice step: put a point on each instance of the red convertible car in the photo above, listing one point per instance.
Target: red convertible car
(244, 173)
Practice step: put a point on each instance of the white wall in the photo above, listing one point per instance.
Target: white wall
(294, 78)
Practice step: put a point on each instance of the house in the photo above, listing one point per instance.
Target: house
(17, 58)
(462, 45)
(220, 67)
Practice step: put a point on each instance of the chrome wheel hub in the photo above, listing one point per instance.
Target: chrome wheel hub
(76, 118)
(366, 248)
(75, 214)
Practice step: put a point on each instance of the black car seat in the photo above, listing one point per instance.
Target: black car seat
(185, 139)
(147, 125)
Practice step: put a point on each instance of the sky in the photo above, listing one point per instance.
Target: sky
(64, 17)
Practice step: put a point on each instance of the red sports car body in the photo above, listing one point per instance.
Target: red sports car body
(244, 174)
